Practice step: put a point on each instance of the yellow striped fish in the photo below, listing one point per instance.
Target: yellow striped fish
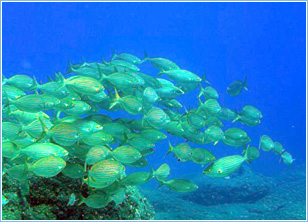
(106, 171)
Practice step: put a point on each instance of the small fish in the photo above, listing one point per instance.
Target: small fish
(72, 200)
(35, 129)
(74, 171)
(180, 185)
(127, 57)
(106, 171)
(48, 166)
(39, 150)
(278, 148)
(116, 129)
(96, 184)
(96, 201)
(99, 118)
(136, 179)
(208, 93)
(126, 154)
(225, 166)
(122, 63)
(162, 173)
(287, 158)
(23, 82)
(19, 172)
(34, 103)
(98, 97)
(87, 127)
(153, 135)
(235, 134)
(165, 82)
(156, 117)
(236, 87)
(211, 106)
(226, 114)
(171, 104)
(84, 69)
(248, 121)
(150, 96)
(182, 76)
(174, 128)
(150, 81)
(252, 153)
(11, 92)
(161, 63)
(99, 138)
(9, 149)
(236, 143)
(215, 133)
(142, 162)
(96, 154)
(266, 143)
(64, 134)
(119, 196)
(202, 156)
(129, 103)
(12, 131)
(53, 88)
(121, 80)
(252, 112)
(79, 108)
(140, 143)
(181, 151)
(82, 84)
(169, 92)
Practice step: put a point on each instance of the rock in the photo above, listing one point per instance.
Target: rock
(48, 197)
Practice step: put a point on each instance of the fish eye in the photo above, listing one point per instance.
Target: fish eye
(219, 171)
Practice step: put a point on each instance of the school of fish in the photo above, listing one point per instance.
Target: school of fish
(62, 126)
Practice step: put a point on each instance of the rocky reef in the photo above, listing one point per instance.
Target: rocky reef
(247, 195)
(47, 199)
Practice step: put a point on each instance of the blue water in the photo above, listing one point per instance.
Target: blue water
(226, 40)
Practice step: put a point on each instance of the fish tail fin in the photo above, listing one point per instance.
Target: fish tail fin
(61, 79)
(160, 73)
(201, 90)
(4, 80)
(237, 116)
(152, 173)
(161, 183)
(104, 62)
(114, 54)
(162, 172)
(199, 100)
(117, 99)
(69, 67)
(204, 79)
(45, 130)
(35, 85)
(28, 165)
(82, 201)
(83, 62)
(170, 149)
(245, 83)
(146, 57)
(17, 154)
(100, 73)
